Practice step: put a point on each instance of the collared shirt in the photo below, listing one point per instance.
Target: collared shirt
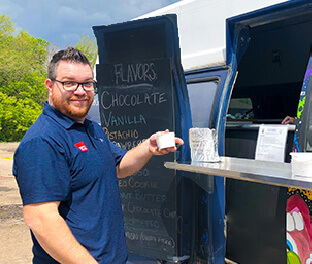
(61, 160)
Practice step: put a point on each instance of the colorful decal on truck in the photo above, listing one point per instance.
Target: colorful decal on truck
(299, 231)
(301, 105)
(299, 203)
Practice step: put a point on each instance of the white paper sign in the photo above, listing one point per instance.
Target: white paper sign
(271, 143)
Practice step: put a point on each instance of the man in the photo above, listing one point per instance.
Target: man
(67, 171)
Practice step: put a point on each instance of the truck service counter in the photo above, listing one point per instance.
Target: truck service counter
(255, 214)
(272, 173)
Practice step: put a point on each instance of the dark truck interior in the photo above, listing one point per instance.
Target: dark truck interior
(267, 89)
(269, 81)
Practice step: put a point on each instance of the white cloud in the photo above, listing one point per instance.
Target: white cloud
(68, 37)
(138, 7)
(10, 8)
(65, 21)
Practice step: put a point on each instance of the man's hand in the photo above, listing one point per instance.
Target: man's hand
(153, 148)
(137, 157)
(289, 120)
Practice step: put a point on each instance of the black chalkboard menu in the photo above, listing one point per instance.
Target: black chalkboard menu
(142, 90)
(135, 102)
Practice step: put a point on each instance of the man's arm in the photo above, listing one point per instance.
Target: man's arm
(137, 157)
(54, 235)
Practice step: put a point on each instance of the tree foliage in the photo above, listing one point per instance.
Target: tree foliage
(6, 25)
(89, 48)
(22, 74)
(23, 69)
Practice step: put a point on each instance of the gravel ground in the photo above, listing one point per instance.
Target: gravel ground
(15, 241)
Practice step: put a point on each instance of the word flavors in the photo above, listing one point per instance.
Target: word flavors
(132, 73)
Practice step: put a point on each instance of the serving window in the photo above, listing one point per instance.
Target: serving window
(202, 93)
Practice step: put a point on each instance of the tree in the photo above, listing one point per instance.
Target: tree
(23, 69)
(21, 55)
(22, 74)
(16, 116)
(89, 48)
(52, 49)
(6, 25)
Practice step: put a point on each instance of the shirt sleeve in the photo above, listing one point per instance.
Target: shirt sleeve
(117, 152)
(42, 172)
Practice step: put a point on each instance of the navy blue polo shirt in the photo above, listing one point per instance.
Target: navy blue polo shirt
(61, 160)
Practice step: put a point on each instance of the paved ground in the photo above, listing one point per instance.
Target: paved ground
(15, 241)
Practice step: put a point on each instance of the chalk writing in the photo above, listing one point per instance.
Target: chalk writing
(132, 183)
(149, 238)
(129, 73)
(112, 120)
(166, 240)
(128, 144)
(169, 214)
(151, 197)
(132, 235)
(125, 195)
(144, 185)
(143, 237)
(142, 172)
(114, 100)
(135, 101)
(133, 208)
(140, 223)
(121, 135)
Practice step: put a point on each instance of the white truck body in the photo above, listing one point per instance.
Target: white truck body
(202, 27)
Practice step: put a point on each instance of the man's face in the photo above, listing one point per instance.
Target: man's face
(74, 104)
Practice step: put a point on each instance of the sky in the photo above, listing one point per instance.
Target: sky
(63, 22)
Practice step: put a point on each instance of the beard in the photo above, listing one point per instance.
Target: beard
(74, 111)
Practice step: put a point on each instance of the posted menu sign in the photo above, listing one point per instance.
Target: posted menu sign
(136, 100)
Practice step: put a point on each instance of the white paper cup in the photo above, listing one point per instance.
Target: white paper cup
(165, 139)
(301, 164)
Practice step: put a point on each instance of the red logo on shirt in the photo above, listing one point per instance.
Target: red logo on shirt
(81, 145)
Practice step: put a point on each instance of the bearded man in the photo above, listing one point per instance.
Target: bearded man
(67, 171)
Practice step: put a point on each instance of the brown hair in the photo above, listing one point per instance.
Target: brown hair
(70, 54)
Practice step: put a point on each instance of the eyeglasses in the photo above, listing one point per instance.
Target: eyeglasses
(73, 86)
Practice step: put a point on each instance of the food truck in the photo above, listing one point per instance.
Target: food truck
(246, 66)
